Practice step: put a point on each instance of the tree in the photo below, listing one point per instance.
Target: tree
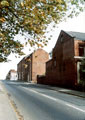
(31, 17)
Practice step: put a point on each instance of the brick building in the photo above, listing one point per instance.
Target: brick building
(20, 69)
(64, 67)
(32, 65)
(12, 75)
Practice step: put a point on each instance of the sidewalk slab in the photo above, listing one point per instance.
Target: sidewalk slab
(66, 91)
(69, 91)
(6, 111)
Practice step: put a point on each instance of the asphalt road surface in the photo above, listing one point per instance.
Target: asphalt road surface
(36, 102)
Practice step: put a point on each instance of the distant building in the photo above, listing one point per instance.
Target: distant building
(12, 75)
(64, 67)
(32, 65)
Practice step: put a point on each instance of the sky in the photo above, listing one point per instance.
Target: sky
(76, 24)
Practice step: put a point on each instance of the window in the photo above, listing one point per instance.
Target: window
(81, 50)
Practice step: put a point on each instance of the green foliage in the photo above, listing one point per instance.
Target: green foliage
(31, 17)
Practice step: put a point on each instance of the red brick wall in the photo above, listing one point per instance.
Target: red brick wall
(76, 54)
(76, 46)
(31, 66)
(28, 69)
(68, 63)
(39, 58)
(21, 69)
(61, 69)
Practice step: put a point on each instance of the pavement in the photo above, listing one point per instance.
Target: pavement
(66, 91)
(69, 91)
(63, 90)
(6, 110)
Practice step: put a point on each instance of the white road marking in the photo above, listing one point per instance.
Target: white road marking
(43, 94)
(75, 107)
(57, 100)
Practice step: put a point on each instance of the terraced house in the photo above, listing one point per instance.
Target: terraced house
(12, 75)
(64, 67)
(32, 65)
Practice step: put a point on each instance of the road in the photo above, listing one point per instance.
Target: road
(36, 102)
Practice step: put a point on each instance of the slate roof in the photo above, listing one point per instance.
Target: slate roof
(13, 71)
(77, 35)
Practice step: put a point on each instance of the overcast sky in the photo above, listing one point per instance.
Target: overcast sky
(76, 24)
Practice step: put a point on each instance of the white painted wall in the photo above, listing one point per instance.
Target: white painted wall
(13, 76)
